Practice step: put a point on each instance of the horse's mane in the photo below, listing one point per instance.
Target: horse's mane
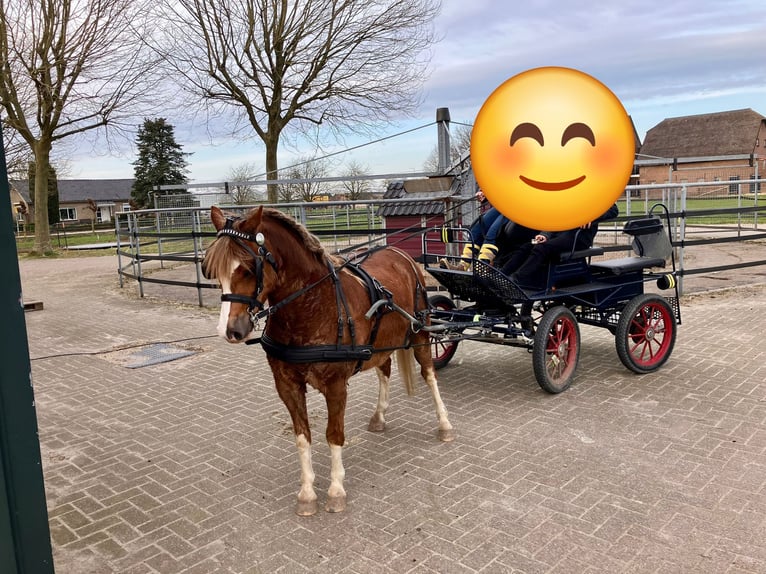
(308, 240)
(221, 254)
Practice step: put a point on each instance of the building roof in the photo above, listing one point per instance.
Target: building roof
(80, 190)
(434, 188)
(704, 135)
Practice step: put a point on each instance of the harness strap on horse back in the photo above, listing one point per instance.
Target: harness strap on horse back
(380, 299)
(315, 353)
(339, 352)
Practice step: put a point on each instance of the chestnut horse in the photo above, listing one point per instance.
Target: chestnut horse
(326, 320)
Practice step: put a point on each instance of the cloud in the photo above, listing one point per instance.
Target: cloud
(658, 52)
(662, 58)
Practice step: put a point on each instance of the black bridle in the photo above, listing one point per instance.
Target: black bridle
(263, 254)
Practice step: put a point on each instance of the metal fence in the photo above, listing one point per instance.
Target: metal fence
(157, 238)
(153, 239)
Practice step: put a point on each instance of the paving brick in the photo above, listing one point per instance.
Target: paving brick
(190, 466)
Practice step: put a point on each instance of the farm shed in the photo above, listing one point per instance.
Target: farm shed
(431, 197)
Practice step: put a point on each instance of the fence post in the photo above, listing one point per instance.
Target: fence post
(682, 238)
(119, 247)
(197, 249)
(137, 257)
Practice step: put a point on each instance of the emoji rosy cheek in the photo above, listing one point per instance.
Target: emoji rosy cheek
(606, 159)
(511, 159)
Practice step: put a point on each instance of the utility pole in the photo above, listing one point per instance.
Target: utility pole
(443, 141)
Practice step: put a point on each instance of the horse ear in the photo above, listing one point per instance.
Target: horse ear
(255, 217)
(217, 217)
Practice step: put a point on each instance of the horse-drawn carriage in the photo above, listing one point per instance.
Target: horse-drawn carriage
(582, 287)
(328, 317)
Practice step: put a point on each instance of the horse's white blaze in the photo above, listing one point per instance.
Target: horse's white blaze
(223, 318)
(337, 472)
(307, 471)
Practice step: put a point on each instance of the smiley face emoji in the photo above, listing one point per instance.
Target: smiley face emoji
(552, 148)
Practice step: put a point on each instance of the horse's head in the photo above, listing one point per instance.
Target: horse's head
(241, 262)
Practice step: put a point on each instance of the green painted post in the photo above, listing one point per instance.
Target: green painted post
(25, 546)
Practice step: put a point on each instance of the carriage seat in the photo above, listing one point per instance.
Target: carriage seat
(628, 264)
(650, 244)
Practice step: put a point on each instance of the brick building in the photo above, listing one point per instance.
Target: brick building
(724, 146)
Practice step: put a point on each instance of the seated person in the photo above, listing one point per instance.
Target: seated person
(527, 266)
(511, 238)
(484, 232)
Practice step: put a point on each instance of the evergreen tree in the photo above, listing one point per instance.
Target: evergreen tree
(161, 160)
(53, 192)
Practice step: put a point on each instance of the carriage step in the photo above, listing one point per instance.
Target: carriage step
(583, 288)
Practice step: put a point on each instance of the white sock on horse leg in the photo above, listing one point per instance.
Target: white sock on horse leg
(307, 496)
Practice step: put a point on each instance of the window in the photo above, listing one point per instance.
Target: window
(734, 187)
(67, 214)
(125, 207)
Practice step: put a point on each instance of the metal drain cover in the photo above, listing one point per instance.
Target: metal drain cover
(155, 354)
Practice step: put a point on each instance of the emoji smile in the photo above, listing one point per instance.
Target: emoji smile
(552, 185)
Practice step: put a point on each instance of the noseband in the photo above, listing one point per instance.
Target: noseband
(240, 237)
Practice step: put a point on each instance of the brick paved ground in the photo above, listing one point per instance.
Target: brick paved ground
(189, 466)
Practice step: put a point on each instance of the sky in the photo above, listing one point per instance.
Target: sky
(661, 58)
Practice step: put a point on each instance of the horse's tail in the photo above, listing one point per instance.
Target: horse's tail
(405, 360)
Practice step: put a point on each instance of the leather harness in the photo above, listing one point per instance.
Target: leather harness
(381, 302)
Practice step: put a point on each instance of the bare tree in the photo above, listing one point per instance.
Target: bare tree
(92, 206)
(460, 145)
(242, 192)
(305, 188)
(339, 64)
(356, 188)
(17, 153)
(68, 67)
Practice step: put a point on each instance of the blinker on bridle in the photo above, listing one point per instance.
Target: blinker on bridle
(263, 254)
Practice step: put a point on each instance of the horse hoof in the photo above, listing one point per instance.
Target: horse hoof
(335, 504)
(306, 508)
(447, 435)
(376, 426)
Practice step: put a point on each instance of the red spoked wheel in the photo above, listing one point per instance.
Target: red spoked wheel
(646, 333)
(556, 349)
(442, 349)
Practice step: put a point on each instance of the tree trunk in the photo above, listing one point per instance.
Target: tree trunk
(42, 151)
(272, 167)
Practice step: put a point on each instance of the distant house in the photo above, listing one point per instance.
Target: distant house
(19, 205)
(724, 146)
(110, 196)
